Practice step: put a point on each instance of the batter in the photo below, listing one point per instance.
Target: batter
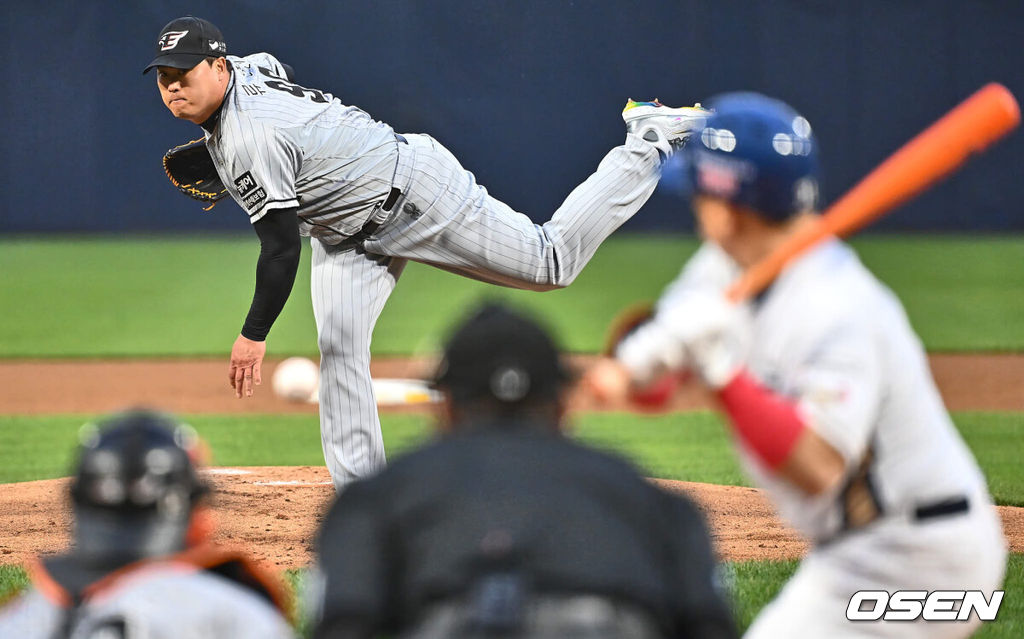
(826, 387)
(299, 162)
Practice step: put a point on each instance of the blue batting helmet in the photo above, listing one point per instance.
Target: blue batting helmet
(758, 152)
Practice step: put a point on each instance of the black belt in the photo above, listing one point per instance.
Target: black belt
(948, 507)
(394, 193)
(944, 508)
(388, 204)
(389, 201)
(371, 226)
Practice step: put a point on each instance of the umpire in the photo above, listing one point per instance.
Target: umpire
(504, 527)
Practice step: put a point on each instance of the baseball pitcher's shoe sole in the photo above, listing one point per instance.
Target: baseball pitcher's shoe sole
(665, 127)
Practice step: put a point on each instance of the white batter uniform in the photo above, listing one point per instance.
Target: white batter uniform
(164, 600)
(279, 145)
(831, 337)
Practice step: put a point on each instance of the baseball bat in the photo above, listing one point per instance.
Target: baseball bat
(970, 127)
(395, 392)
(404, 392)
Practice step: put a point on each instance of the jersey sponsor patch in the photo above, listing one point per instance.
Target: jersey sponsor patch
(252, 194)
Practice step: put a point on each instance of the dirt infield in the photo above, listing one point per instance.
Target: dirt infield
(274, 511)
(967, 382)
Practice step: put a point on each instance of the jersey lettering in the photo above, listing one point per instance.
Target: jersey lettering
(270, 73)
(297, 91)
(253, 89)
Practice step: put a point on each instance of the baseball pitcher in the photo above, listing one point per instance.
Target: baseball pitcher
(301, 163)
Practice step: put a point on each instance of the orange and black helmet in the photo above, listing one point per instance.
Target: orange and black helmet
(135, 485)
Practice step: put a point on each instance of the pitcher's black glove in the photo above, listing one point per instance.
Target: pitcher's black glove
(190, 168)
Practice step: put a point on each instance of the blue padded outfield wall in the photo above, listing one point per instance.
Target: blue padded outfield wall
(526, 93)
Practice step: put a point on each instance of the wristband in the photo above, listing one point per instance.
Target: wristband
(768, 424)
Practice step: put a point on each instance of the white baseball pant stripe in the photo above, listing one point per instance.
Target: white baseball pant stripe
(446, 219)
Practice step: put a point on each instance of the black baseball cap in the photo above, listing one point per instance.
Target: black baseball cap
(501, 355)
(185, 42)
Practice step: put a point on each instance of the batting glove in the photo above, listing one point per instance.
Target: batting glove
(712, 335)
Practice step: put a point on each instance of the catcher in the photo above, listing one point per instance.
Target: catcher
(825, 386)
(299, 162)
(141, 563)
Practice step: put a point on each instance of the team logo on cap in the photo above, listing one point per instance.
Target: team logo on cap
(170, 39)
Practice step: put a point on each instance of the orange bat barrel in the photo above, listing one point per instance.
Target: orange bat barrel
(974, 124)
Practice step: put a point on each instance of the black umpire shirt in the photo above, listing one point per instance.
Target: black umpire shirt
(567, 518)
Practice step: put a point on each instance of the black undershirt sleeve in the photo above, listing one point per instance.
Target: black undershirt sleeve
(280, 248)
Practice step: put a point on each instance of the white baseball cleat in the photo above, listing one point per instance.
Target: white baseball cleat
(667, 128)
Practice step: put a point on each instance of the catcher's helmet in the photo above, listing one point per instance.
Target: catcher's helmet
(135, 486)
(758, 152)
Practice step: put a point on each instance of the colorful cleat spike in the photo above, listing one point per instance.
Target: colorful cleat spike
(667, 128)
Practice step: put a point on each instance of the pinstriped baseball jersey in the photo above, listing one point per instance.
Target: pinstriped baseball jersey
(280, 145)
(448, 220)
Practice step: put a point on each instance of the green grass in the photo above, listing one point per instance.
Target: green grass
(42, 447)
(294, 580)
(752, 584)
(691, 446)
(12, 580)
(1010, 621)
(685, 446)
(997, 440)
(186, 296)
(960, 293)
(87, 297)
(91, 297)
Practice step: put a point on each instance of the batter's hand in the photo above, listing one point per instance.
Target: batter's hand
(246, 360)
(713, 333)
(607, 381)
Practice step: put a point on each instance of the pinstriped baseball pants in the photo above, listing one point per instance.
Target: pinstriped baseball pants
(444, 218)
